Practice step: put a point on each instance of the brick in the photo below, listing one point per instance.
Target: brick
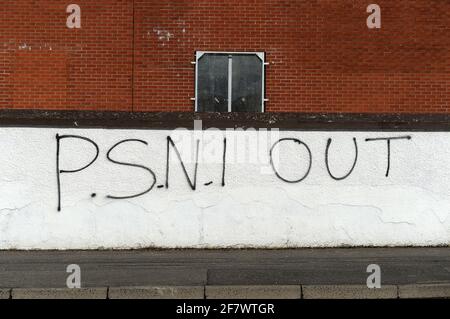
(253, 292)
(59, 293)
(348, 292)
(192, 292)
(424, 291)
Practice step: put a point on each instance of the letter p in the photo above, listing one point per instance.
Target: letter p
(61, 171)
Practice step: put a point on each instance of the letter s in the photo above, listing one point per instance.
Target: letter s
(108, 155)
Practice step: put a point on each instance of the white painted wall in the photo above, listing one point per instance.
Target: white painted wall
(254, 209)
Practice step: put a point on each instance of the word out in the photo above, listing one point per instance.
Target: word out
(388, 141)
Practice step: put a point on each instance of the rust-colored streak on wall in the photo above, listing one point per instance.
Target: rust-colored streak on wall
(323, 57)
(45, 65)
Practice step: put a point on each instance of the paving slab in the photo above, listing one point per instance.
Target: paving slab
(5, 293)
(425, 291)
(192, 292)
(59, 293)
(253, 292)
(349, 292)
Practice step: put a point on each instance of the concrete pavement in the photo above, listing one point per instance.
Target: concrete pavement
(307, 273)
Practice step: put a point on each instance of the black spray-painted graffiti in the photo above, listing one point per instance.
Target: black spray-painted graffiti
(328, 165)
(108, 156)
(192, 181)
(309, 160)
(59, 172)
(170, 145)
(387, 139)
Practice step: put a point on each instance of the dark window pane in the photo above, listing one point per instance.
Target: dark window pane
(213, 83)
(247, 84)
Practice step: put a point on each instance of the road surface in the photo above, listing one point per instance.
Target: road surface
(344, 266)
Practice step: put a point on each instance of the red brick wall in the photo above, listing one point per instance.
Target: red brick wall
(322, 56)
(45, 65)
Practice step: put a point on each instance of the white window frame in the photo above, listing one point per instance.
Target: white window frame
(260, 55)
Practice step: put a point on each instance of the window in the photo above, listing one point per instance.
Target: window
(229, 82)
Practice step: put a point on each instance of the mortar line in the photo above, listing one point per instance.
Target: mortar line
(133, 58)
